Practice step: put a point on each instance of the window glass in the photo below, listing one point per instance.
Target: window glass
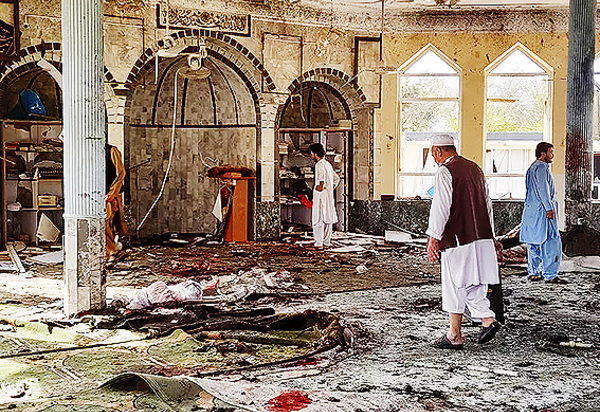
(516, 121)
(429, 105)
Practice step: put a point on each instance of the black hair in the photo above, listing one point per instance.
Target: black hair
(542, 147)
(318, 149)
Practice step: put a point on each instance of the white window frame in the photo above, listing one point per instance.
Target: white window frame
(547, 128)
(401, 101)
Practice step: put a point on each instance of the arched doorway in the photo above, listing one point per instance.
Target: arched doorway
(314, 112)
(216, 123)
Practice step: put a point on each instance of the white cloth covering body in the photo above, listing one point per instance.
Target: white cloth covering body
(466, 267)
(324, 214)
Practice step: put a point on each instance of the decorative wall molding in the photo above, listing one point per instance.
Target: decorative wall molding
(236, 24)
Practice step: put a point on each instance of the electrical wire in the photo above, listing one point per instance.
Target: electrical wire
(172, 150)
(170, 163)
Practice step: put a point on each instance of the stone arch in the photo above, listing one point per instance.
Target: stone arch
(220, 44)
(222, 47)
(361, 115)
(27, 63)
(334, 78)
(222, 50)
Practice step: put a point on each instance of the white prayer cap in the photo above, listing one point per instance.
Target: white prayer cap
(442, 140)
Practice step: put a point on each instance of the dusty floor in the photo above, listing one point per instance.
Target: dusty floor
(394, 310)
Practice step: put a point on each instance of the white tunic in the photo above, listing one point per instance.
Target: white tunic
(474, 263)
(323, 210)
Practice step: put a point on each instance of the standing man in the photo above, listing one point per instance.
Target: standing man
(324, 214)
(539, 227)
(115, 225)
(461, 234)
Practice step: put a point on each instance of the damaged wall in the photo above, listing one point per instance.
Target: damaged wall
(473, 52)
(215, 124)
(375, 217)
(293, 44)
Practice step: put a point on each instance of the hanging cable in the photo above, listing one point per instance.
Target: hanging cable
(173, 128)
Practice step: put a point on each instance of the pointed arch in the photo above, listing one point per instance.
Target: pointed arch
(421, 53)
(528, 53)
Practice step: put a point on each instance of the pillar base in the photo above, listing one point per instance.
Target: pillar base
(84, 265)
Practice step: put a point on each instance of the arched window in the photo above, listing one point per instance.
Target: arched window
(429, 92)
(517, 119)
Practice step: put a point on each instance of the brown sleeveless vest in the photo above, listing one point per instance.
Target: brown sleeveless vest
(469, 220)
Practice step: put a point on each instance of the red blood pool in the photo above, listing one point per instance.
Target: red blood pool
(289, 401)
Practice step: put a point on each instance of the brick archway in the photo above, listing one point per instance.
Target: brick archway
(219, 47)
(51, 52)
(28, 59)
(349, 90)
(220, 44)
(361, 114)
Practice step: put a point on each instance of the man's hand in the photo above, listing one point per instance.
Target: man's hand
(320, 187)
(550, 214)
(433, 249)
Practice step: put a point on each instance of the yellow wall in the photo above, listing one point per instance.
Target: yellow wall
(473, 53)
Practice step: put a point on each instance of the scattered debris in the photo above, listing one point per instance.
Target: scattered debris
(360, 269)
(573, 344)
(15, 258)
(514, 255)
(8, 267)
(397, 237)
(52, 258)
(158, 294)
(47, 230)
(348, 249)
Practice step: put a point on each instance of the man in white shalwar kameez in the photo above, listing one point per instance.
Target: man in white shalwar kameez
(324, 214)
(461, 234)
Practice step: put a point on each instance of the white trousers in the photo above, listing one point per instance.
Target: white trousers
(454, 300)
(322, 232)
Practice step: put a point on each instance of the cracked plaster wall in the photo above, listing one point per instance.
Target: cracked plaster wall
(471, 38)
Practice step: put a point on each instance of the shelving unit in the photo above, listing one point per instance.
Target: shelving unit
(31, 174)
(296, 171)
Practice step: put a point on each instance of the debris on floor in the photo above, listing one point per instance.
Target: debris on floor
(51, 258)
(286, 326)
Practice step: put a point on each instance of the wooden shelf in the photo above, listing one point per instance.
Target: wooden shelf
(33, 122)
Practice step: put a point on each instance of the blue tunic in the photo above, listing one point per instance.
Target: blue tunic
(536, 228)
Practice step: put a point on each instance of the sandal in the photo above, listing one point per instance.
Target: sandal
(534, 278)
(487, 333)
(444, 343)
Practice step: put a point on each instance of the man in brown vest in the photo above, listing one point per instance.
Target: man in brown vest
(461, 236)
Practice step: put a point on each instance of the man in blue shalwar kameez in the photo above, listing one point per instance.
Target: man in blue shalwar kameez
(539, 228)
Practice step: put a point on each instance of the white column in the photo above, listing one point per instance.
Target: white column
(84, 169)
